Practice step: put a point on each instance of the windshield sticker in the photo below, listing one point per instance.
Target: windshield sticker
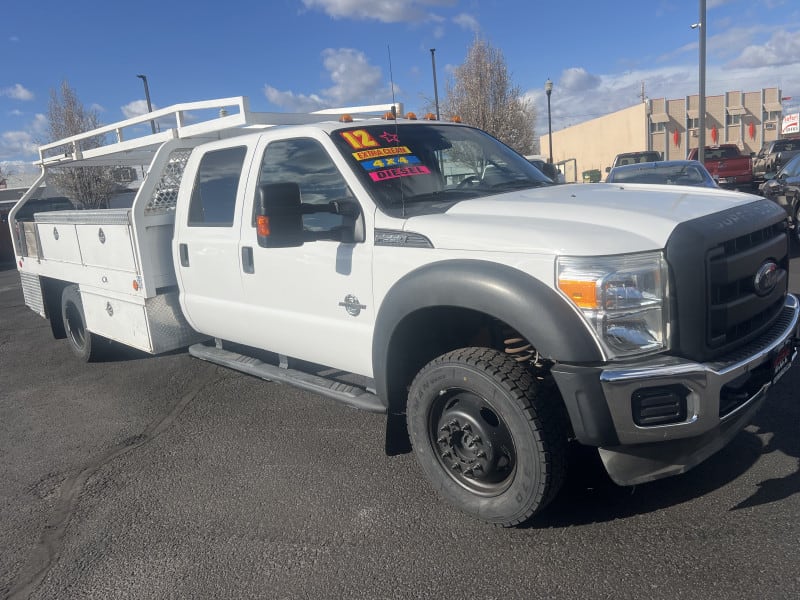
(401, 172)
(378, 152)
(382, 163)
(358, 139)
(390, 138)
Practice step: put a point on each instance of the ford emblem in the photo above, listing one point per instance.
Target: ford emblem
(766, 278)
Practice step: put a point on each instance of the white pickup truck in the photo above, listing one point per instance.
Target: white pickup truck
(424, 270)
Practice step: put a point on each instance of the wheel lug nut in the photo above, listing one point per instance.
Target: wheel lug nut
(466, 427)
(456, 467)
(441, 440)
(480, 454)
(468, 472)
(446, 454)
(477, 467)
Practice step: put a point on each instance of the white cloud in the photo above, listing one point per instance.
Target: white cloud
(355, 81)
(17, 92)
(134, 109)
(579, 80)
(467, 22)
(292, 101)
(782, 49)
(386, 11)
(17, 143)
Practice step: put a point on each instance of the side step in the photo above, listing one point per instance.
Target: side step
(348, 394)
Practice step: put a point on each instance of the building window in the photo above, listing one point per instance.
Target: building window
(658, 127)
(733, 119)
(693, 123)
(773, 115)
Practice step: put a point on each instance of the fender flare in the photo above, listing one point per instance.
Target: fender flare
(535, 310)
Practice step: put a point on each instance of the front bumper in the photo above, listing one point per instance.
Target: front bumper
(718, 399)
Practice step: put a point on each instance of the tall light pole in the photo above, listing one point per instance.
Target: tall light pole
(435, 89)
(147, 97)
(548, 89)
(701, 125)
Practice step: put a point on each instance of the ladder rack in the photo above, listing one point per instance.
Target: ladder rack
(231, 114)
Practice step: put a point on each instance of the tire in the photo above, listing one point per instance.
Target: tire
(82, 342)
(491, 439)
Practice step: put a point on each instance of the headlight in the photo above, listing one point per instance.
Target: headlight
(623, 298)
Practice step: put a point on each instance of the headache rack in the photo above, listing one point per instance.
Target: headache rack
(229, 116)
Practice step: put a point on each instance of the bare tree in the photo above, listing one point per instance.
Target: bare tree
(90, 186)
(481, 93)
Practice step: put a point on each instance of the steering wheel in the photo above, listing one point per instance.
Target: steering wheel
(469, 180)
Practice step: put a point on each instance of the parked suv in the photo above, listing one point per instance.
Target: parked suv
(784, 189)
(772, 156)
(630, 158)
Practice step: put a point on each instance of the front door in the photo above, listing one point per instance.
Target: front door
(314, 301)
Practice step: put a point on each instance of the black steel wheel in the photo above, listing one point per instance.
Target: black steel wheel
(488, 437)
(85, 344)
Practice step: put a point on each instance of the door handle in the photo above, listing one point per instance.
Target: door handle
(183, 250)
(248, 266)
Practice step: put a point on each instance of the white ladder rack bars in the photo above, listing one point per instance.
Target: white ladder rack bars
(233, 113)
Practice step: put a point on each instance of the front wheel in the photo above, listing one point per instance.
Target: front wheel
(86, 345)
(487, 435)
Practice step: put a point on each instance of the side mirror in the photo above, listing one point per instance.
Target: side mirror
(279, 216)
(608, 169)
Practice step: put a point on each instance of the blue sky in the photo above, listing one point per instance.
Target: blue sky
(299, 55)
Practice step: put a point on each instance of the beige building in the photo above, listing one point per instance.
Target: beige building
(747, 119)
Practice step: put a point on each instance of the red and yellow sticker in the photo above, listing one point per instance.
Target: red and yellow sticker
(378, 152)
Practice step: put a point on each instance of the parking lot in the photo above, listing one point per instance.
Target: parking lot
(167, 477)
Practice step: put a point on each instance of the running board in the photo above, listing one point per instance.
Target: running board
(350, 395)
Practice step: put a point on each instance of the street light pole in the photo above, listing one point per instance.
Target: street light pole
(701, 97)
(435, 89)
(147, 97)
(548, 89)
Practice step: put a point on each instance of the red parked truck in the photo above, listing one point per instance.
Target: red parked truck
(727, 164)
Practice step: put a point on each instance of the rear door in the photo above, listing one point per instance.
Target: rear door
(206, 244)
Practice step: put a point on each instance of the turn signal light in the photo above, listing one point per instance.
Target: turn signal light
(582, 293)
(262, 226)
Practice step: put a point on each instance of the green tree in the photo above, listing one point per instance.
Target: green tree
(480, 91)
(90, 186)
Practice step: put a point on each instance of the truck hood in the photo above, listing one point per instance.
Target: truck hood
(585, 219)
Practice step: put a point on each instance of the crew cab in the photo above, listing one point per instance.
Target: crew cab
(727, 164)
(426, 271)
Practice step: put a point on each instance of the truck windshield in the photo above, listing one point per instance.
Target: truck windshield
(413, 168)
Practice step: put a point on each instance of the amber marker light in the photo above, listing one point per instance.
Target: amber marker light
(345, 119)
(135, 286)
(456, 119)
(262, 226)
(411, 116)
(388, 115)
(582, 292)
(429, 117)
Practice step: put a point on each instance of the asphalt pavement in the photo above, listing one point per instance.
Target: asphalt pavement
(166, 477)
